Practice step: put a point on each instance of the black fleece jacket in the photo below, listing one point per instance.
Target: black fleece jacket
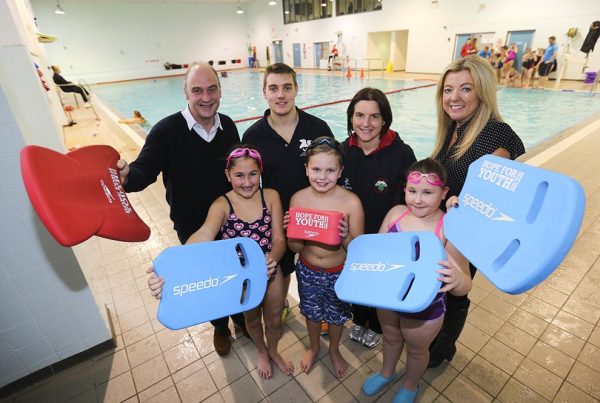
(378, 178)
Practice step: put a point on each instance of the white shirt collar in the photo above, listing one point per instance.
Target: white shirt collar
(198, 128)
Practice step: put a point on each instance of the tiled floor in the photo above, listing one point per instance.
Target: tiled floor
(543, 345)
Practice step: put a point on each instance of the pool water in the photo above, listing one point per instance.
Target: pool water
(534, 115)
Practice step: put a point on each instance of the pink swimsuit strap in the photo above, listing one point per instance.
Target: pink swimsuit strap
(438, 227)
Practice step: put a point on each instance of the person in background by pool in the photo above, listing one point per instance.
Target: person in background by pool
(468, 48)
(469, 126)
(548, 63)
(375, 164)
(136, 118)
(282, 136)
(68, 86)
(189, 148)
(485, 53)
(500, 56)
(509, 60)
(538, 61)
(332, 57)
(527, 62)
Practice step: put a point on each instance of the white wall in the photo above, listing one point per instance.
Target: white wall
(102, 41)
(401, 45)
(118, 40)
(429, 49)
(47, 312)
(379, 47)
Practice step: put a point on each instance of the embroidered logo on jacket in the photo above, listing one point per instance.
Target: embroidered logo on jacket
(381, 186)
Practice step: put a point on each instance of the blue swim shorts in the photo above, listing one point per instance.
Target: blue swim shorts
(318, 300)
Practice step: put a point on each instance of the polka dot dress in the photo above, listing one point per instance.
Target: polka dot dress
(493, 136)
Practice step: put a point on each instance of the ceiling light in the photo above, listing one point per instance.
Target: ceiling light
(59, 9)
(272, 3)
(239, 10)
(323, 4)
(287, 11)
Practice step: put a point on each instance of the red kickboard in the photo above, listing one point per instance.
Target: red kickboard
(79, 194)
(314, 225)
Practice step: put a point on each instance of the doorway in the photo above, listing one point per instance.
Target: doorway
(297, 55)
(321, 54)
(278, 51)
(523, 40)
(386, 47)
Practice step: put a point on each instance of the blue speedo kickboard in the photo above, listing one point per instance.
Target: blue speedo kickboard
(515, 222)
(211, 280)
(395, 271)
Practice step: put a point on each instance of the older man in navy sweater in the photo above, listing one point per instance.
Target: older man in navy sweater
(190, 148)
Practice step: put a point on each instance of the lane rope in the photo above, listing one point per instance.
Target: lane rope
(339, 101)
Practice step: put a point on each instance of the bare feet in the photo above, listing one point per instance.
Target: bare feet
(284, 366)
(340, 365)
(308, 360)
(264, 365)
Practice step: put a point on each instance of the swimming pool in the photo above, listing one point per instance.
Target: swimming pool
(534, 115)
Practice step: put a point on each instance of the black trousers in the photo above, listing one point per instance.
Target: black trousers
(366, 316)
(76, 89)
(221, 324)
(457, 309)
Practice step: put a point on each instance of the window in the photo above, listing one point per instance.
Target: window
(306, 10)
(345, 7)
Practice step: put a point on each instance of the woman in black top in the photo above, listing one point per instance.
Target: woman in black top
(375, 166)
(469, 126)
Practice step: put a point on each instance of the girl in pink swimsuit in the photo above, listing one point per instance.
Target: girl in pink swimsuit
(425, 190)
(249, 211)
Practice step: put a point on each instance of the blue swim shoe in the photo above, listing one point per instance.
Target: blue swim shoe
(376, 382)
(406, 396)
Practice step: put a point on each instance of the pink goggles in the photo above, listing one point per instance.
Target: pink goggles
(244, 152)
(433, 179)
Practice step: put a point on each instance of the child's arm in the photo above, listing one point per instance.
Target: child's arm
(456, 275)
(354, 222)
(214, 220)
(278, 244)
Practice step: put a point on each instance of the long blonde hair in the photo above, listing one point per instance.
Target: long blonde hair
(485, 88)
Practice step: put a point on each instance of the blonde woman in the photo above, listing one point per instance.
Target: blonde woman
(469, 126)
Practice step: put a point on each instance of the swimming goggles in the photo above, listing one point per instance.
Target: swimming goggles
(245, 152)
(432, 178)
(324, 141)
